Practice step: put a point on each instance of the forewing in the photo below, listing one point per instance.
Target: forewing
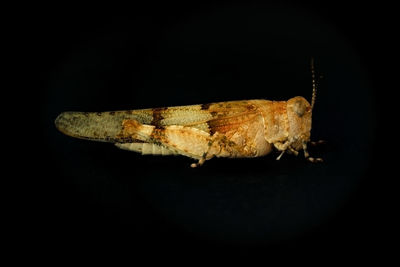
(106, 126)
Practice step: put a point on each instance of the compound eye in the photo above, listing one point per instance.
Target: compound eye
(300, 108)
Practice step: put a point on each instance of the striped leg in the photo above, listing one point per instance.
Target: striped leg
(147, 148)
(187, 141)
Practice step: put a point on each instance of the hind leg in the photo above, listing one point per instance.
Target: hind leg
(187, 141)
(183, 140)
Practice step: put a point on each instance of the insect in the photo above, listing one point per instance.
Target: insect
(234, 129)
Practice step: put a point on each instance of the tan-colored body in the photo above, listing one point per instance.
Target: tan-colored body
(250, 128)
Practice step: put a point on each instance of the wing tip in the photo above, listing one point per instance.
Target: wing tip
(63, 123)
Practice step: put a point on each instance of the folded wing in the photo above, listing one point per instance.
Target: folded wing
(107, 126)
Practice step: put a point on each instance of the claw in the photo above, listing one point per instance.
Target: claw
(315, 160)
(198, 164)
(319, 142)
(293, 151)
(280, 155)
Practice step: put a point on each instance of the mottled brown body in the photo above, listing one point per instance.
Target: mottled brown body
(234, 129)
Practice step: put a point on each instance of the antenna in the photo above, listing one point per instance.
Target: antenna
(314, 91)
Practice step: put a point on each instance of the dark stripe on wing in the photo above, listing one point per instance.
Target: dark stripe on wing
(205, 106)
(157, 116)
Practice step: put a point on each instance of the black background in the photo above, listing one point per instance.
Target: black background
(95, 195)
